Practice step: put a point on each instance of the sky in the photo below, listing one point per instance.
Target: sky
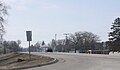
(45, 18)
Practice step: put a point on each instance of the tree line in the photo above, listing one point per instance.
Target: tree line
(10, 46)
(79, 41)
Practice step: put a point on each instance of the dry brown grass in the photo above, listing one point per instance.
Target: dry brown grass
(11, 61)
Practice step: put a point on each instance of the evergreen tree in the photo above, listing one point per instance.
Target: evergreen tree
(114, 36)
(43, 43)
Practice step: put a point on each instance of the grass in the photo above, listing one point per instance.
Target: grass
(18, 60)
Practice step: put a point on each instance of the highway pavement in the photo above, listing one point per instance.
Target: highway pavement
(76, 61)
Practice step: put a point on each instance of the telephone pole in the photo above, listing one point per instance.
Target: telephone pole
(66, 42)
(66, 35)
(55, 37)
(55, 42)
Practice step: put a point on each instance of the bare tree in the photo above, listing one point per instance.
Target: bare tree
(3, 13)
(5, 44)
(90, 40)
(18, 42)
(11, 46)
(37, 46)
(75, 39)
(84, 41)
(60, 45)
(53, 43)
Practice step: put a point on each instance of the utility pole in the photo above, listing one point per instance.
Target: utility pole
(66, 42)
(66, 35)
(55, 42)
(55, 37)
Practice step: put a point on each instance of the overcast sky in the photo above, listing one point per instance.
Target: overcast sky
(49, 17)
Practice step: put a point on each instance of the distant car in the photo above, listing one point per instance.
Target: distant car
(49, 50)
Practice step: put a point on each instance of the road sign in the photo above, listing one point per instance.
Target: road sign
(29, 38)
(29, 35)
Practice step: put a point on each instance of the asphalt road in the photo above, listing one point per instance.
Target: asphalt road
(71, 61)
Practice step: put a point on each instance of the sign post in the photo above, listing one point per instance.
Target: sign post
(29, 38)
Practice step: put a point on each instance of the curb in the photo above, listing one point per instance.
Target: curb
(48, 63)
